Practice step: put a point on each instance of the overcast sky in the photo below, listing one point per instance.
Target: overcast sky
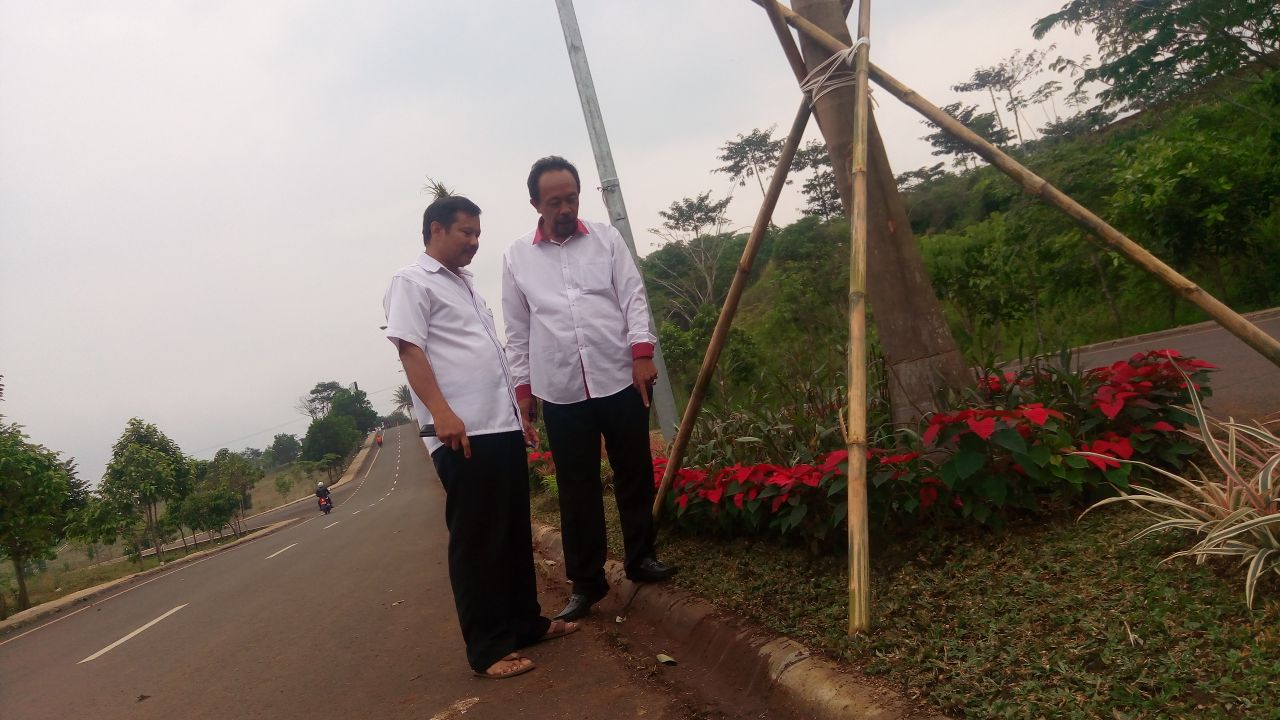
(201, 203)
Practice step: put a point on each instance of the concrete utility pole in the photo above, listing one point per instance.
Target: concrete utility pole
(612, 190)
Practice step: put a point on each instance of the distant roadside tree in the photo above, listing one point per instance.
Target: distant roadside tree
(354, 403)
(332, 434)
(35, 492)
(316, 403)
(403, 399)
(284, 449)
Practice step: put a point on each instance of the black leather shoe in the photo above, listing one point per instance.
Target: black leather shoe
(651, 570)
(578, 605)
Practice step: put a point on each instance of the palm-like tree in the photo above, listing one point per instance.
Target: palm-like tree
(404, 401)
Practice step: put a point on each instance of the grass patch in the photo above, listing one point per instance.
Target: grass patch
(1055, 618)
(51, 584)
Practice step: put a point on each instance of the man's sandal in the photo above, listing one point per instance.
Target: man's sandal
(559, 628)
(523, 665)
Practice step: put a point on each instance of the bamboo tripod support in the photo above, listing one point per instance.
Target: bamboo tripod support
(721, 333)
(856, 442)
(1229, 319)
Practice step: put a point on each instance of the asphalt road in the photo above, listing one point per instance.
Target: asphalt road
(345, 615)
(1247, 385)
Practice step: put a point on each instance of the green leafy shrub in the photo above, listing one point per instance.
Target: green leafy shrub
(1237, 516)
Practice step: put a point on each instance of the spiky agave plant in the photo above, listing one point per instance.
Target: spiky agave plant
(1237, 516)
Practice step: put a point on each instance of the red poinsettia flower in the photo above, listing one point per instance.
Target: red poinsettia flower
(1162, 426)
(1036, 413)
(983, 428)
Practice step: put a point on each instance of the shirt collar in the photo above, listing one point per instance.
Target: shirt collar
(431, 264)
(539, 237)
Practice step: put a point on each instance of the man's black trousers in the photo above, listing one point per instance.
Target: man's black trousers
(491, 546)
(574, 431)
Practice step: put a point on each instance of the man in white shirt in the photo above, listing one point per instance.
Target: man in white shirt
(461, 384)
(578, 338)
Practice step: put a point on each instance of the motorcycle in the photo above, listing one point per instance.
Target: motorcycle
(326, 505)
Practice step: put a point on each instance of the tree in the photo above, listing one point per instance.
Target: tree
(750, 156)
(354, 403)
(139, 479)
(689, 269)
(912, 179)
(396, 418)
(984, 124)
(145, 470)
(403, 399)
(284, 449)
(332, 434)
(920, 352)
(286, 481)
(820, 190)
(35, 492)
(1008, 77)
(1155, 51)
(316, 402)
(236, 473)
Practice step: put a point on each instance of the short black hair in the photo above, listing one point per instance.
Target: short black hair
(545, 165)
(444, 210)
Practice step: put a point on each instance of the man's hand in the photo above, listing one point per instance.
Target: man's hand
(451, 432)
(643, 375)
(531, 438)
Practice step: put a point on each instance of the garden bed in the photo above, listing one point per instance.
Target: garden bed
(1053, 618)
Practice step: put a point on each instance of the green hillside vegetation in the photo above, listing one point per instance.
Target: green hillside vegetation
(1197, 182)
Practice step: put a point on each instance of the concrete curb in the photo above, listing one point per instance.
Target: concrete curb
(791, 679)
(35, 614)
(1253, 317)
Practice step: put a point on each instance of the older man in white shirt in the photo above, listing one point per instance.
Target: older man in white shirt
(461, 384)
(578, 338)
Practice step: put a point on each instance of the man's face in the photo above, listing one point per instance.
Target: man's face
(454, 246)
(557, 203)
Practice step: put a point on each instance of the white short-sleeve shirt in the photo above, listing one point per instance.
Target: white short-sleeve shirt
(442, 313)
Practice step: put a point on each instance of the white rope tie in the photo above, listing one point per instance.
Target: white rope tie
(828, 75)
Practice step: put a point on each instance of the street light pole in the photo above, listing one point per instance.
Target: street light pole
(612, 192)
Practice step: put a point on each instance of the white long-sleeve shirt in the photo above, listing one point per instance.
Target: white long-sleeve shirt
(576, 314)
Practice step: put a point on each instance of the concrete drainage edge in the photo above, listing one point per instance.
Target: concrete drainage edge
(790, 678)
(33, 615)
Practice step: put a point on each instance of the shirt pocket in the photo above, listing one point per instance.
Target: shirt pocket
(595, 275)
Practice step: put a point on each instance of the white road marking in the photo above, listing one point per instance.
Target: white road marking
(459, 708)
(326, 527)
(130, 636)
(278, 552)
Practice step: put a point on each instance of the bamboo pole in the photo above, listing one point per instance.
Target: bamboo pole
(720, 335)
(1219, 312)
(856, 442)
